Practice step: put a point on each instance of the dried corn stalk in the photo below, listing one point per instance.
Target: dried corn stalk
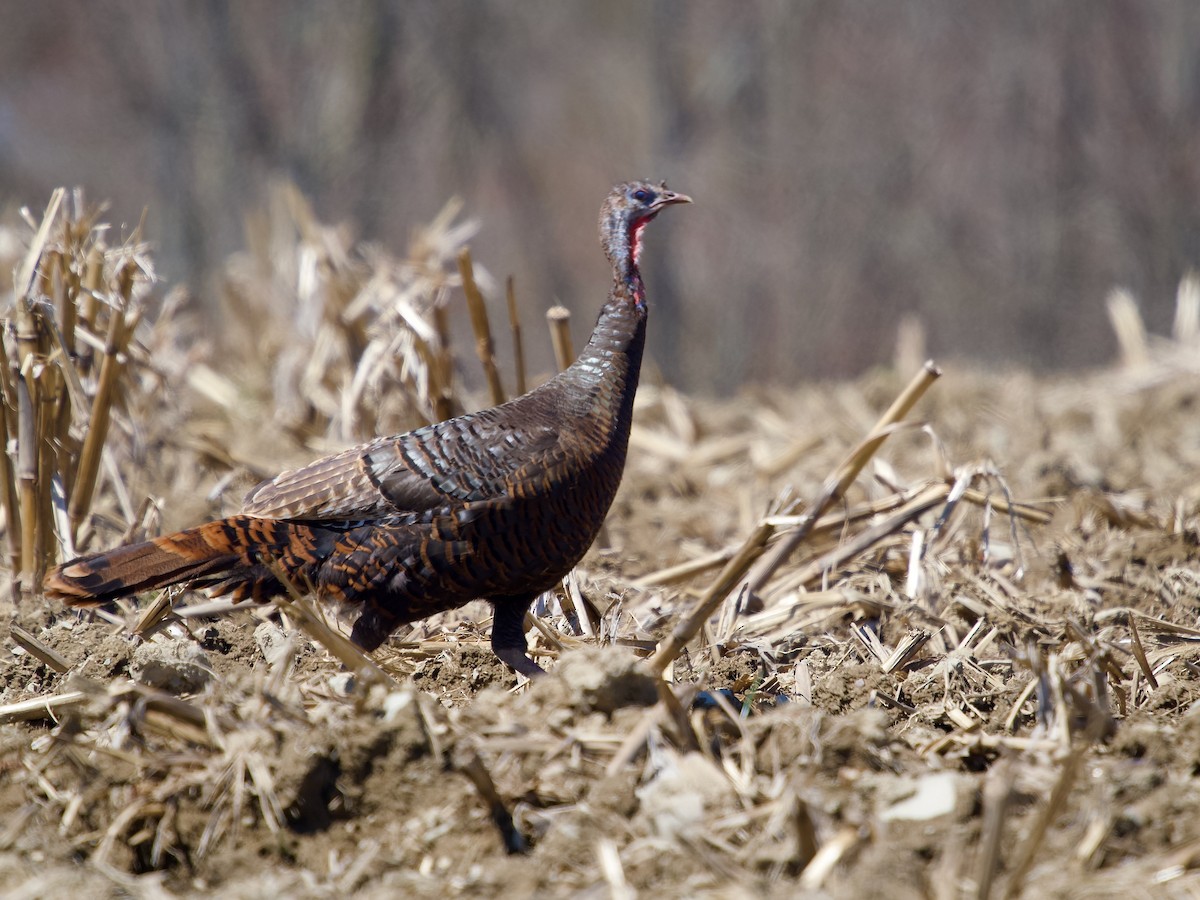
(76, 305)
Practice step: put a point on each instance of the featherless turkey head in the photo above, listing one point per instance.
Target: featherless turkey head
(623, 216)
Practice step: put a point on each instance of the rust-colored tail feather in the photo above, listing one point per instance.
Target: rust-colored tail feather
(194, 556)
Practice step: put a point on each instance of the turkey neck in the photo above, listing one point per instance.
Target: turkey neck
(600, 385)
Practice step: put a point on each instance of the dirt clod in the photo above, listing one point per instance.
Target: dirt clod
(175, 665)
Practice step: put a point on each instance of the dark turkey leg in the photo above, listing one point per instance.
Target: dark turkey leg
(373, 626)
(508, 636)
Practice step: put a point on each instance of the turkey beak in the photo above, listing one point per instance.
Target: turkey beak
(668, 198)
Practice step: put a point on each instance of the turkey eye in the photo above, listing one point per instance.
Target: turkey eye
(641, 195)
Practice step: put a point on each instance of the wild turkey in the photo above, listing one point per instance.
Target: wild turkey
(499, 504)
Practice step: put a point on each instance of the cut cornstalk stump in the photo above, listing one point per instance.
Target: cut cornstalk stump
(559, 319)
(480, 325)
(514, 323)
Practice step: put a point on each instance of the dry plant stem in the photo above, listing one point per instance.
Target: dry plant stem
(690, 625)
(1010, 721)
(841, 479)
(154, 614)
(27, 456)
(904, 651)
(90, 307)
(337, 644)
(463, 755)
(53, 421)
(29, 353)
(119, 826)
(997, 794)
(977, 740)
(688, 741)
(36, 648)
(480, 325)
(514, 322)
(783, 461)
(826, 524)
(42, 707)
(64, 360)
(636, 738)
(608, 857)
(8, 483)
(737, 567)
(97, 433)
(164, 724)
(8, 390)
(551, 637)
(685, 570)
(442, 367)
(37, 388)
(1055, 805)
(1002, 506)
(918, 506)
(559, 319)
(472, 766)
(827, 857)
(1153, 624)
(28, 271)
(433, 399)
(1139, 653)
(66, 295)
(1129, 328)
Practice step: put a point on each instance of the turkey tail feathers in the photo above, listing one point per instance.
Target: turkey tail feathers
(196, 554)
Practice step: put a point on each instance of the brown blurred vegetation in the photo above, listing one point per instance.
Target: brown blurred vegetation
(993, 169)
